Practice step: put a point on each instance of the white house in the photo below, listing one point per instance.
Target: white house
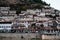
(5, 26)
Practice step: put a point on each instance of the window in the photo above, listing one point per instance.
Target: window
(59, 25)
(50, 24)
(0, 26)
(6, 26)
(58, 18)
(45, 24)
(9, 27)
(53, 14)
(38, 24)
(47, 13)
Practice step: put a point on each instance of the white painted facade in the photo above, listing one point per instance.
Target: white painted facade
(5, 26)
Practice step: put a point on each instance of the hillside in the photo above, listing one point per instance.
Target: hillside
(23, 4)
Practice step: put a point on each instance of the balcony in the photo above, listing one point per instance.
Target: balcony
(46, 10)
(41, 14)
(53, 14)
(58, 18)
(5, 8)
(45, 24)
(25, 19)
(50, 32)
(4, 12)
(58, 25)
(12, 12)
(41, 18)
(47, 13)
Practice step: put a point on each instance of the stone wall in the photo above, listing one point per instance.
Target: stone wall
(17, 36)
(50, 37)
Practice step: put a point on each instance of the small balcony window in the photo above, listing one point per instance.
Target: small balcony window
(50, 24)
